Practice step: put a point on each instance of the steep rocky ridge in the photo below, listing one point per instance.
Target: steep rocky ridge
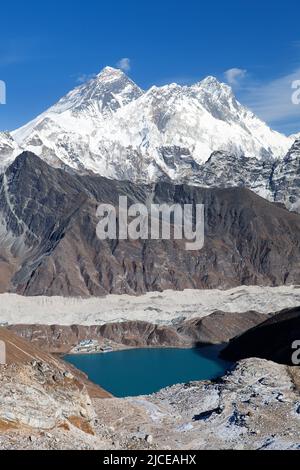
(286, 179)
(276, 180)
(49, 244)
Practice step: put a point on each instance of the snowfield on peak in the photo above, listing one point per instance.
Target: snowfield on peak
(113, 128)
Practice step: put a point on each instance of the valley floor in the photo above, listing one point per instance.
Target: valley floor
(45, 405)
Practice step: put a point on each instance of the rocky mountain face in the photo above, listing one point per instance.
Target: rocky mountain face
(275, 180)
(49, 244)
(197, 134)
(223, 170)
(9, 150)
(285, 179)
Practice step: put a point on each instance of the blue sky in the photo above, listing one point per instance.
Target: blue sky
(46, 47)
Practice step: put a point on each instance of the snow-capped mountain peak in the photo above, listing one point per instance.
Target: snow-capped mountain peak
(82, 110)
(108, 91)
(110, 74)
(212, 84)
(112, 127)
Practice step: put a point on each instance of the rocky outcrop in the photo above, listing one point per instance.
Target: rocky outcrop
(39, 396)
(273, 339)
(49, 244)
(286, 179)
(255, 406)
(42, 397)
(216, 328)
(197, 134)
(275, 180)
(222, 170)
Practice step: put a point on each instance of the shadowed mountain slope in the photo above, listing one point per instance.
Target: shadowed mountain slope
(272, 339)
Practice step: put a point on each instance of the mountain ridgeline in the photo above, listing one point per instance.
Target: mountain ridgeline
(198, 134)
(49, 246)
(172, 144)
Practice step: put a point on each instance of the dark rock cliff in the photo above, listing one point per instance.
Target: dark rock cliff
(272, 339)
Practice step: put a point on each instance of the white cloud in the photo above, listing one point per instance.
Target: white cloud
(124, 64)
(272, 101)
(235, 75)
(85, 77)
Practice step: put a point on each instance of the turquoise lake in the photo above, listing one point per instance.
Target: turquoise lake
(144, 371)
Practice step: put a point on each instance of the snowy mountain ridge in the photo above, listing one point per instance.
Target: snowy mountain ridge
(113, 128)
(9, 150)
(198, 134)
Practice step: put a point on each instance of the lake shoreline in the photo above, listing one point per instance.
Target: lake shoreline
(143, 371)
(130, 348)
(217, 328)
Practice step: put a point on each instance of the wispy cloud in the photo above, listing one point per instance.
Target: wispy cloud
(124, 64)
(272, 100)
(85, 77)
(235, 75)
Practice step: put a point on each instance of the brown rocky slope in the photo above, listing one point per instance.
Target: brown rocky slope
(20, 351)
(49, 244)
(218, 327)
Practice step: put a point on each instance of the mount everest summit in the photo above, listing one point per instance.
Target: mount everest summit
(197, 134)
(170, 144)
